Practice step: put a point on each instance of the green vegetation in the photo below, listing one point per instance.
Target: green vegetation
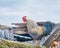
(15, 44)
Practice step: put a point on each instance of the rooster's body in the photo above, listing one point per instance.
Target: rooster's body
(36, 31)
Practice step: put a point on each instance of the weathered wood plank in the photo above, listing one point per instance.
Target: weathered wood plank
(55, 34)
(24, 24)
(58, 39)
(21, 25)
(20, 32)
(20, 29)
(4, 28)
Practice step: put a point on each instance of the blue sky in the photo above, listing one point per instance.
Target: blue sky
(39, 10)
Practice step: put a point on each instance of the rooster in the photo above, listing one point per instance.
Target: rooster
(34, 30)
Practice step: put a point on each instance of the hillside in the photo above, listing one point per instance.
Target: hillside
(14, 44)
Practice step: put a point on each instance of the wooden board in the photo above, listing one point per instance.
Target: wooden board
(54, 36)
(24, 24)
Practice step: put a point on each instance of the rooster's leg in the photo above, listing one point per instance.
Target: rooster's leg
(37, 42)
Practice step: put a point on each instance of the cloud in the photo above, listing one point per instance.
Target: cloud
(42, 10)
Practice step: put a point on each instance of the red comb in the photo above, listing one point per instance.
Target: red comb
(24, 18)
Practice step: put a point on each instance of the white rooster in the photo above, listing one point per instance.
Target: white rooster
(34, 30)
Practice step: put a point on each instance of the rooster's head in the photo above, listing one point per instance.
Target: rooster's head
(24, 18)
